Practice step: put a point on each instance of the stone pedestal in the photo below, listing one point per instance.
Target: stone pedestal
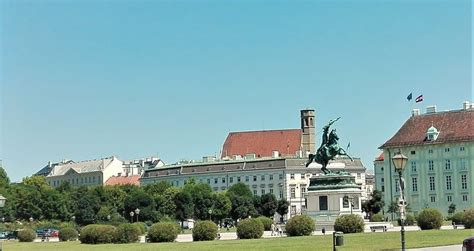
(330, 196)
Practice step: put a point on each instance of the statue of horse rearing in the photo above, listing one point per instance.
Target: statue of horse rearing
(328, 150)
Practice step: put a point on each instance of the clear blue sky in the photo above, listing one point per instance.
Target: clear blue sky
(88, 79)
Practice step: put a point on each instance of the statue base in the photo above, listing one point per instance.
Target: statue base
(332, 195)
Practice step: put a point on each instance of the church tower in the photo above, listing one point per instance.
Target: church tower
(308, 141)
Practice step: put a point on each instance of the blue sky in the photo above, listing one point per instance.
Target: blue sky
(88, 79)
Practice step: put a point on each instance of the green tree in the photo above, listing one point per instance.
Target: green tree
(376, 202)
(4, 180)
(221, 206)
(239, 189)
(202, 198)
(165, 203)
(269, 205)
(393, 207)
(184, 206)
(86, 209)
(282, 208)
(452, 209)
(144, 202)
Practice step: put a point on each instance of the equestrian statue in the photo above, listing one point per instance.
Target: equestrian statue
(329, 148)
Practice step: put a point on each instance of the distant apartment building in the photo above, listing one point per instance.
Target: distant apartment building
(440, 168)
(85, 173)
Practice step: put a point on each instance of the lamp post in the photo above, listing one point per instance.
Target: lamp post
(2, 200)
(108, 217)
(131, 216)
(137, 212)
(210, 213)
(400, 160)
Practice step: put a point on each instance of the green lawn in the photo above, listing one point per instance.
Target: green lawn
(365, 241)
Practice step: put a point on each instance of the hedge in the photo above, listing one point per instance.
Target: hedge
(163, 232)
(68, 234)
(429, 218)
(204, 231)
(96, 234)
(267, 222)
(26, 235)
(350, 223)
(250, 229)
(300, 225)
(141, 226)
(468, 218)
(126, 233)
(376, 218)
(457, 218)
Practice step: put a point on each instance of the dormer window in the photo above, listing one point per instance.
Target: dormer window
(432, 133)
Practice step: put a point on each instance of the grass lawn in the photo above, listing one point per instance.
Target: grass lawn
(363, 241)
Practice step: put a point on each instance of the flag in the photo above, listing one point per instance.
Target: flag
(419, 99)
(409, 97)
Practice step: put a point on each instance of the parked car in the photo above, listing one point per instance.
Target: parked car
(12, 235)
(3, 235)
(468, 244)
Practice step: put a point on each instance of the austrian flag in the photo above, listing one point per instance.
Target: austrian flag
(419, 99)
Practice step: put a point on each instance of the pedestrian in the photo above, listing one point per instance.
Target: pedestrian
(273, 229)
(324, 231)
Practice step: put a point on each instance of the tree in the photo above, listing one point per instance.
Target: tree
(184, 206)
(376, 202)
(452, 209)
(239, 189)
(282, 208)
(269, 204)
(393, 207)
(202, 198)
(165, 205)
(221, 206)
(144, 202)
(4, 180)
(87, 208)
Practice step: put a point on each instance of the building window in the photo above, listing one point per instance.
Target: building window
(254, 192)
(302, 176)
(215, 189)
(430, 165)
(413, 166)
(450, 198)
(463, 181)
(358, 175)
(255, 178)
(263, 177)
(448, 183)
(238, 179)
(281, 194)
(432, 183)
(303, 190)
(215, 180)
(382, 180)
(381, 169)
(271, 176)
(446, 150)
(345, 202)
(462, 164)
(271, 190)
(231, 179)
(323, 203)
(447, 164)
(292, 176)
(461, 148)
(430, 151)
(383, 189)
(414, 184)
(293, 210)
(280, 176)
(464, 197)
(93, 179)
(208, 181)
(223, 180)
(263, 191)
(293, 193)
(247, 178)
(433, 199)
(413, 152)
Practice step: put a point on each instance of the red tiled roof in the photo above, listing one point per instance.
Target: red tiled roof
(262, 143)
(453, 126)
(380, 157)
(123, 180)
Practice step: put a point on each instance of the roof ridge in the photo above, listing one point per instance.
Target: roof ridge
(272, 130)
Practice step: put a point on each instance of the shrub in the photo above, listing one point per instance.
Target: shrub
(300, 225)
(141, 226)
(68, 234)
(250, 229)
(26, 235)
(204, 231)
(468, 218)
(376, 218)
(350, 223)
(409, 221)
(163, 232)
(126, 233)
(267, 222)
(96, 234)
(457, 218)
(429, 218)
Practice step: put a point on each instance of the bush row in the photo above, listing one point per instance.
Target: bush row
(98, 234)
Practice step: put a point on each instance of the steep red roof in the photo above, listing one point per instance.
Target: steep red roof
(453, 126)
(262, 143)
(380, 157)
(123, 180)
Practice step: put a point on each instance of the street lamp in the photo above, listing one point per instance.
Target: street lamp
(131, 216)
(73, 218)
(137, 212)
(400, 160)
(108, 217)
(31, 219)
(2, 200)
(210, 213)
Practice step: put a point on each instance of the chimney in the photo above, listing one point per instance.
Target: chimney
(415, 112)
(275, 154)
(431, 109)
(50, 164)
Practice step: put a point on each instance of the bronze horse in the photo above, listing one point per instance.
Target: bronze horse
(328, 150)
